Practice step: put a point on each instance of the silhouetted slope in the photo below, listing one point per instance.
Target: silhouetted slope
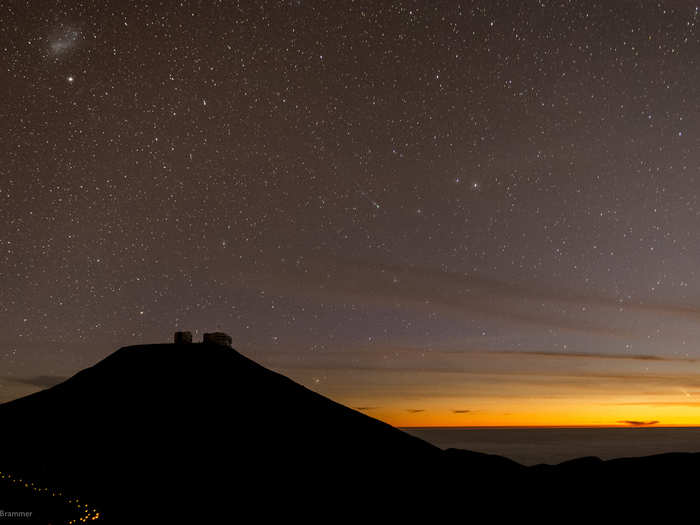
(199, 433)
(198, 427)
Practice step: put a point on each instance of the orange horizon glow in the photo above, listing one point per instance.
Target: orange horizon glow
(531, 390)
(559, 407)
(542, 426)
(436, 423)
(563, 413)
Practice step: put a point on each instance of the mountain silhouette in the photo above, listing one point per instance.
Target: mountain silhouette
(200, 433)
(163, 430)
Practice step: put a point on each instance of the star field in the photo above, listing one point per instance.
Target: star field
(448, 212)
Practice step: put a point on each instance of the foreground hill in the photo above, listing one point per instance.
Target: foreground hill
(199, 433)
(170, 429)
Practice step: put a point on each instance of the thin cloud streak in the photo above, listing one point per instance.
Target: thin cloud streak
(44, 381)
(595, 355)
(394, 285)
(658, 403)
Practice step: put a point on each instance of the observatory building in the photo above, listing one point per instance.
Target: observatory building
(217, 338)
(214, 338)
(183, 338)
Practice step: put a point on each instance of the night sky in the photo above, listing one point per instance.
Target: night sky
(440, 213)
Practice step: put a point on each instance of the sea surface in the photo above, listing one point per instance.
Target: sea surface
(531, 446)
